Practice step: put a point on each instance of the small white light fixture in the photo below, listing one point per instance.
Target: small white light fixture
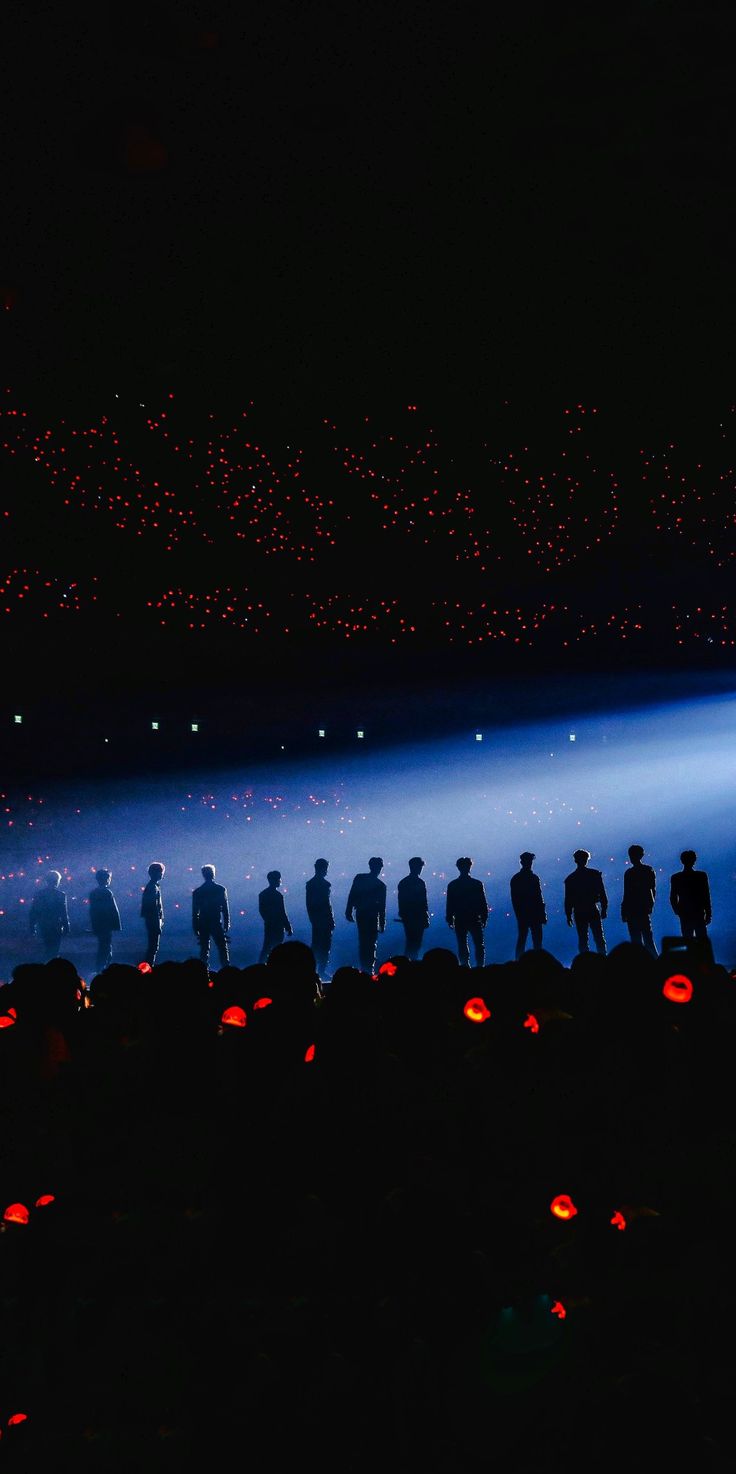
(360, 734)
(572, 737)
(154, 726)
(479, 736)
(18, 719)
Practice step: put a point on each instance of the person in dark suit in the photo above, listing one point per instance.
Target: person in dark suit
(367, 899)
(467, 912)
(528, 904)
(104, 918)
(211, 916)
(152, 910)
(586, 903)
(48, 916)
(640, 890)
(413, 909)
(690, 898)
(321, 916)
(272, 908)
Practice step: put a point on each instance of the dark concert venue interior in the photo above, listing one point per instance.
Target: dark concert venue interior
(368, 456)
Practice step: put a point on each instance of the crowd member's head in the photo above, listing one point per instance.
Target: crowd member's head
(274, 878)
(581, 858)
(103, 877)
(53, 879)
(464, 864)
(375, 865)
(416, 865)
(688, 858)
(208, 871)
(156, 870)
(526, 860)
(636, 853)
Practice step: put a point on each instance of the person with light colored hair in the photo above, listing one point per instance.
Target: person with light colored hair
(211, 916)
(48, 917)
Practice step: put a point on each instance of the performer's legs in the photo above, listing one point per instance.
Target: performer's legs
(479, 945)
(220, 941)
(367, 941)
(463, 952)
(521, 939)
(581, 924)
(596, 926)
(154, 937)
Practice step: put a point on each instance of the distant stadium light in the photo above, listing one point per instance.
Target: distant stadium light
(321, 732)
(154, 726)
(360, 734)
(479, 736)
(17, 719)
(572, 737)
(195, 726)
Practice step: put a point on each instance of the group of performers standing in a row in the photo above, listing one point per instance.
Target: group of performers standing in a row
(466, 909)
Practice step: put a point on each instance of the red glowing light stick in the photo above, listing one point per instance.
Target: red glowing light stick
(618, 1220)
(530, 1022)
(389, 969)
(17, 1418)
(476, 1010)
(16, 1213)
(563, 1206)
(262, 1002)
(144, 967)
(558, 1309)
(235, 1016)
(45, 1199)
(678, 988)
(6, 1021)
(309, 1056)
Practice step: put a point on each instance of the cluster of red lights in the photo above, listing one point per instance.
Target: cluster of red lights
(211, 487)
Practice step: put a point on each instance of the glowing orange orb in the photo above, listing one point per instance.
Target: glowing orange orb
(678, 988)
(563, 1206)
(235, 1016)
(16, 1213)
(476, 1010)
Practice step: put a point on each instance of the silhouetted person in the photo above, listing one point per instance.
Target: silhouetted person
(368, 900)
(584, 894)
(152, 910)
(690, 898)
(413, 908)
(48, 917)
(467, 912)
(640, 890)
(528, 904)
(321, 916)
(276, 924)
(211, 916)
(104, 918)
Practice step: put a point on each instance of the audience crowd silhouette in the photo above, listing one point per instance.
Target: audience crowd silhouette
(421, 1216)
